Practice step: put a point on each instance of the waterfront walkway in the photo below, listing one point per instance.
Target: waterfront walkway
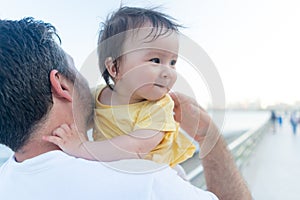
(273, 170)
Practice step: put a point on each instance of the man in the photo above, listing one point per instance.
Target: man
(40, 89)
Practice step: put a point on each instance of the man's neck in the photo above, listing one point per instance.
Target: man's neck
(32, 150)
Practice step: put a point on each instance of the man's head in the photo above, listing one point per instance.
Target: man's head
(121, 25)
(28, 53)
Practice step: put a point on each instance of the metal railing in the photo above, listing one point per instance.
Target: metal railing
(241, 149)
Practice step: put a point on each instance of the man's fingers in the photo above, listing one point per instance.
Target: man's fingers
(177, 108)
(181, 98)
(175, 98)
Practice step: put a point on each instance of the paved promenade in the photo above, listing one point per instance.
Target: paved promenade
(273, 171)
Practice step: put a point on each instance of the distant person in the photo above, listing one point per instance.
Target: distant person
(294, 122)
(279, 118)
(40, 89)
(273, 120)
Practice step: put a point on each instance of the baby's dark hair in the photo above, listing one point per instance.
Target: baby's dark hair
(124, 19)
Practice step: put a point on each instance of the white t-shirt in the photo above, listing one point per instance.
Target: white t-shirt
(55, 175)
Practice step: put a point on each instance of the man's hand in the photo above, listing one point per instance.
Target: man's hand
(221, 174)
(191, 116)
(196, 122)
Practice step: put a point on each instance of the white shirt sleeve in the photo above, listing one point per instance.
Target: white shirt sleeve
(168, 185)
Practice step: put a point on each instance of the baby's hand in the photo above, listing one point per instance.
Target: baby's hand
(68, 139)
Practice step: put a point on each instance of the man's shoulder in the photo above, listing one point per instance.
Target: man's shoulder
(128, 166)
(137, 166)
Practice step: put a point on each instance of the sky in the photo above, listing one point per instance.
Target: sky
(254, 45)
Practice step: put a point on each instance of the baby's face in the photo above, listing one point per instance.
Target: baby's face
(147, 67)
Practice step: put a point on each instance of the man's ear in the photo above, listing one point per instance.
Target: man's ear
(59, 85)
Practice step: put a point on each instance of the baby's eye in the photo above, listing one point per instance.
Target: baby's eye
(155, 60)
(173, 62)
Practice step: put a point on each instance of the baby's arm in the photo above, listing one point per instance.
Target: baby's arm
(135, 145)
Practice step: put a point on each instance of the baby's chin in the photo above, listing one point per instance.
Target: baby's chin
(156, 98)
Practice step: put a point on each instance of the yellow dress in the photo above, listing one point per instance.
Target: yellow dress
(111, 121)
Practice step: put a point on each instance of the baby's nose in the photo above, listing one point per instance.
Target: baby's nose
(168, 72)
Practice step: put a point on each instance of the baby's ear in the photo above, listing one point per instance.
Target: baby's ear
(110, 66)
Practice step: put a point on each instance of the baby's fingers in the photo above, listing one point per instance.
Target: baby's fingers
(65, 127)
(60, 132)
(54, 139)
(73, 127)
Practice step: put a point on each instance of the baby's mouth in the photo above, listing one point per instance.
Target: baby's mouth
(159, 85)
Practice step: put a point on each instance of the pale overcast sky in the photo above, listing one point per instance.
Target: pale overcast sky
(255, 44)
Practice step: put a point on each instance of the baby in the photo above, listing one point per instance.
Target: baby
(138, 50)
